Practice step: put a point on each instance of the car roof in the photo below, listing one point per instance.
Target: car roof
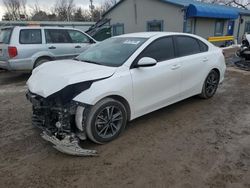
(42, 27)
(155, 35)
(152, 34)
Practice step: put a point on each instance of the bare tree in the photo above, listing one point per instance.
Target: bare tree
(234, 3)
(15, 9)
(97, 12)
(64, 9)
(106, 5)
(82, 15)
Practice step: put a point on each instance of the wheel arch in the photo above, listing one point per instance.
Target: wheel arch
(123, 101)
(218, 71)
(42, 57)
(41, 54)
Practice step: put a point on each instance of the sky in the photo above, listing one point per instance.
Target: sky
(47, 4)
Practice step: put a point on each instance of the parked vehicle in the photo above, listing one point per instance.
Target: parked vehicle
(244, 51)
(24, 48)
(118, 80)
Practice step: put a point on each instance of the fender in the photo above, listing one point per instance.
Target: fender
(117, 85)
(41, 54)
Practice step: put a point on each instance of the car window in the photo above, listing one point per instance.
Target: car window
(111, 52)
(30, 36)
(78, 37)
(203, 46)
(5, 35)
(160, 50)
(187, 46)
(57, 36)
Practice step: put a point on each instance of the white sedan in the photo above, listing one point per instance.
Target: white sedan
(118, 80)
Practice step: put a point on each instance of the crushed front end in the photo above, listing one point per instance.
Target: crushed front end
(56, 118)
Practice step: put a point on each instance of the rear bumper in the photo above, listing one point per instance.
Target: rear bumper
(17, 65)
(4, 65)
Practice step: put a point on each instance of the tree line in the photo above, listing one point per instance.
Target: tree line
(233, 3)
(62, 10)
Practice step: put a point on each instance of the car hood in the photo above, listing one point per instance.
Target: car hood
(53, 76)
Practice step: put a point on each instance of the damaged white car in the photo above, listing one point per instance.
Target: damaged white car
(118, 80)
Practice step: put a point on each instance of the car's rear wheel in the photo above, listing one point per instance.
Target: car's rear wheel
(106, 120)
(41, 61)
(210, 85)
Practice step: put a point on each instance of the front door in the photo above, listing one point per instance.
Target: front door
(81, 41)
(157, 86)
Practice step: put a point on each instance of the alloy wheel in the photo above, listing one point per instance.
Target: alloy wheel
(211, 83)
(108, 122)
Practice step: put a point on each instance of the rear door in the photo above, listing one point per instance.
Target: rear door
(59, 43)
(30, 43)
(5, 36)
(80, 41)
(193, 56)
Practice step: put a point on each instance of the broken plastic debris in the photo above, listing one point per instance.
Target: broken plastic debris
(67, 146)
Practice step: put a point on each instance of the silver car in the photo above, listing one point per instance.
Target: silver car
(24, 48)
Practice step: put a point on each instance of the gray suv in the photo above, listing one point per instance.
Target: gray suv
(24, 48)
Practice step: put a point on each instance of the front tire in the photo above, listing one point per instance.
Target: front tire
(106, 120)
(210, 85)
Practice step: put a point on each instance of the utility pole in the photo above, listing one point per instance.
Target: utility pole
(91, 7)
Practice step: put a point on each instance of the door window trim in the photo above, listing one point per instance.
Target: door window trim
(81, 33)
(133, 65)
(197, 40)
(41, 41)
(65, 30)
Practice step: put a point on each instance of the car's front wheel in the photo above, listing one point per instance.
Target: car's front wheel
(210, 85)
(106, 120)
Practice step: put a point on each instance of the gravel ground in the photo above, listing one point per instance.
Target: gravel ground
(194, 143)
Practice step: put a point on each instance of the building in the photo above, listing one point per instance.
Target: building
(204, 19)
(84, 26)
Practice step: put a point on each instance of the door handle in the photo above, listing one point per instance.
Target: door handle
(175, 67)
(78, 47)
(52, 47)
(205, 59)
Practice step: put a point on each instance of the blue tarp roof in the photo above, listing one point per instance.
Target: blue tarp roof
(208, 10)
(211, 12)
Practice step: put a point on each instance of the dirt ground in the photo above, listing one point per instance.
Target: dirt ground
(195, 143)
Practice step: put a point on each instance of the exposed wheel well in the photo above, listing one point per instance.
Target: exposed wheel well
(217, 70)
(123, 101)
(42, 57)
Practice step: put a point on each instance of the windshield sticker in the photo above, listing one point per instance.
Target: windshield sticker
(132, 42)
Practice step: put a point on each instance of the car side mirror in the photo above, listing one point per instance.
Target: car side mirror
(146, 62)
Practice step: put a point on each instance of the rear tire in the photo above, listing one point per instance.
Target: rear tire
(210, 85)
(106, 121)
(40, 61)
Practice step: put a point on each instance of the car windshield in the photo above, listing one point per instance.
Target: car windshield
(5, 35)
(112, 52)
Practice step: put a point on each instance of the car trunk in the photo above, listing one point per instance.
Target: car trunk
(5, 35)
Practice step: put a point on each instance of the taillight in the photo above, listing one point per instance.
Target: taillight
(12, 51)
